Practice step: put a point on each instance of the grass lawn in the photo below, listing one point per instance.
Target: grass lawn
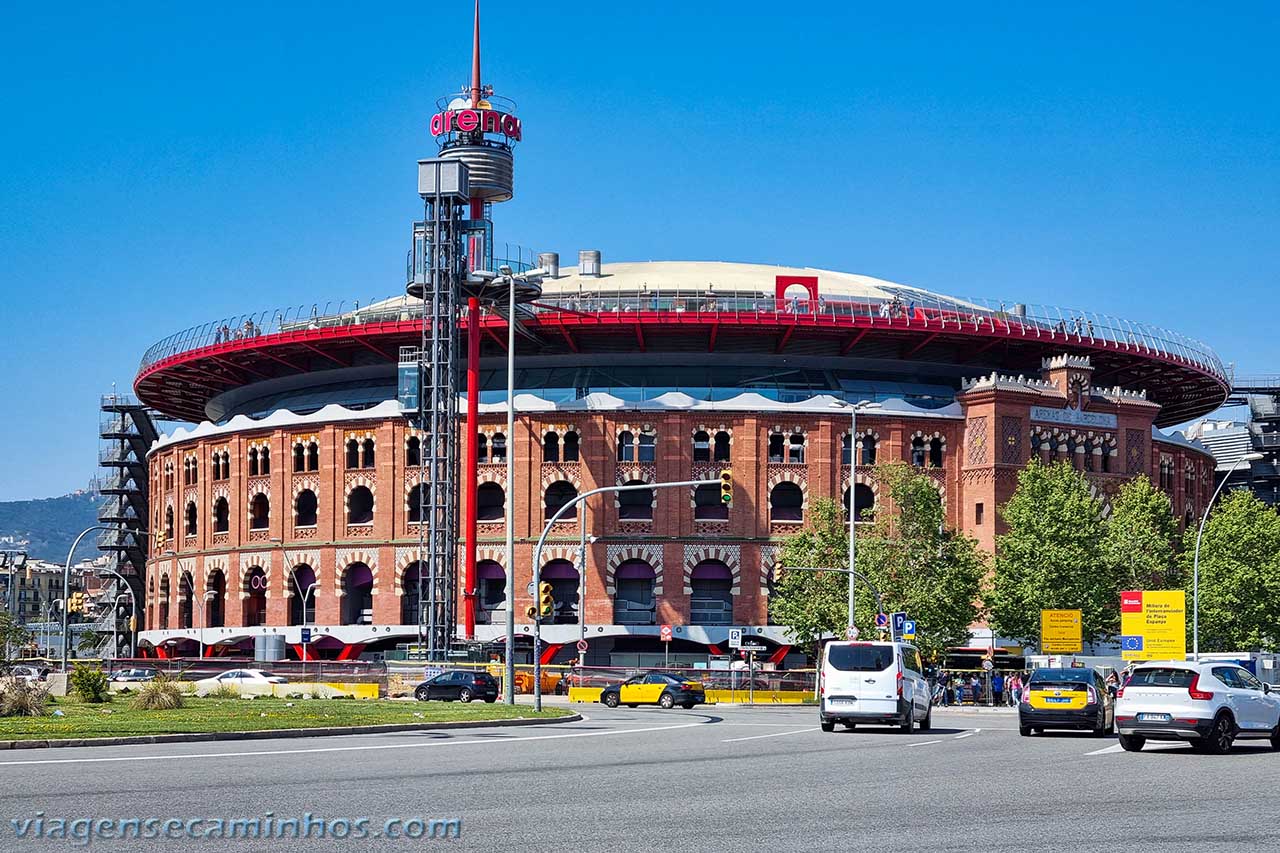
(117, 719)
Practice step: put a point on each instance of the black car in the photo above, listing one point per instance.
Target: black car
(658, 688)
(460, 684)
(1073, 698)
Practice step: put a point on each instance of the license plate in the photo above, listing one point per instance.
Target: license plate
(1058, 700)
(1154, 718)
(841, 700)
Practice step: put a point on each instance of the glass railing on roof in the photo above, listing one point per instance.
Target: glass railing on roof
(905, 309)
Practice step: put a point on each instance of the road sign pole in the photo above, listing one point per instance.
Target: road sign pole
(751, 677)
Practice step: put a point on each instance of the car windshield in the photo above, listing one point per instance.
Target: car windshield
(1163, 676)
(1069, 678)
(868, 658)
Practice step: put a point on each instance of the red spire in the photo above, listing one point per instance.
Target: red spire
(475, 60)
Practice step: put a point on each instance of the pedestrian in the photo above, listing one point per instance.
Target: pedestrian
(997, 689)
(976, 686)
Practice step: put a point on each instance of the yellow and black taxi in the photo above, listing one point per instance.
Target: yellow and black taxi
(654, 688)
(1066, 699)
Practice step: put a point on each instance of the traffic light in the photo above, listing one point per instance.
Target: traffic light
(531, 611)
(546, 601)
(75, 603)
(133, 623)
(726, 486)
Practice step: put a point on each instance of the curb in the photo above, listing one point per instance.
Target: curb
(269, 734)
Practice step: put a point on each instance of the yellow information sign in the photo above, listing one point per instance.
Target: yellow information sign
(1153, 624)
(1060, 632)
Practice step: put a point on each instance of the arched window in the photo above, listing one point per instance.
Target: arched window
(720, 453)
(701, 446)
(367, 458)
(414, 583)
(864, 502)
(360, 506)
(482, 447)
(648, 451)
(711, 602)
(559, 494)
(304, 509)
(255, 605)
(264, 461)
(168, 522)
(186, 599)
(498, 448)
(491, 592)
(357, 595)
(215, 600)
(191, 518)
(707, 505)
(313, 456)
(353, 453)
(626, 447)
(253, 461)
(302, 595)
(226, 465)
(868, 456)
(413, 452)
(551, 447)
(565, 582)
(777, 447)
(164, 602)
(416, 495)
(846, 449)
(786, 502)
(633, 602)
(795, 448)
(935, 453)
(221, 516)
(299, 457)
(491, 502)
(635, 505)
(259, 512)
(570, 446)
(917, 452)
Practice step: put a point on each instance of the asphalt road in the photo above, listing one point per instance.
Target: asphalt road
(734, 779)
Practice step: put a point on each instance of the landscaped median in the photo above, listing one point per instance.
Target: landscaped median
(210, 719)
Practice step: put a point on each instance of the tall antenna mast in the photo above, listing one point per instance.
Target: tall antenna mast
(475, 60)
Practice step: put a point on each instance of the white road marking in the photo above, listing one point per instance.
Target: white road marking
(1115, 747)
(179, 757)
(923, 743)
(774, 734)
(967, 734)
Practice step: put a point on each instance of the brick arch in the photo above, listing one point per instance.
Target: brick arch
(308, 482)
(490, 474)
(928, 437)
(557, 475)
(568, 553)
(211, 565)
(293, 559)
(493, 553)
(730, 555)
(619, 554)
(247, 565)
(789, 476)
(354, 483)
(344, 559)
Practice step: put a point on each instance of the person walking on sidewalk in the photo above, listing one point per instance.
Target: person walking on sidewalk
(997, 689)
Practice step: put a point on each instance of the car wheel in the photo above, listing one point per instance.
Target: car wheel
(909, 722)
(927, 722)
(1220, 737)
(667, 701)
(827, 727)
(464, 695)
(1025, 731)
(610, 700)
(1132, 743)
(421, 694)
(1275, 738)
(1102, 729)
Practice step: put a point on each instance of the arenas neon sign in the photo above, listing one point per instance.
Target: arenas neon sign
(469, 121)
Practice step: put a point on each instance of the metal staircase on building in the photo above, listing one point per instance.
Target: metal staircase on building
(126, 430)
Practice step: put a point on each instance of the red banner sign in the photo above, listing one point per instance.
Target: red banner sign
(469, 121)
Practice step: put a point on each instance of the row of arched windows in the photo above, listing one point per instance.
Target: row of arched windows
(190, 471)
(360, 453)
(259, 461)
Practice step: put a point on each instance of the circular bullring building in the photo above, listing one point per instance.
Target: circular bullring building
(293, 501)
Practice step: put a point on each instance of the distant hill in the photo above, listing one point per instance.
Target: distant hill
(47, 527)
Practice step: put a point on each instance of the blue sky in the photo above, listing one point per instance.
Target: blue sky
(165, 164)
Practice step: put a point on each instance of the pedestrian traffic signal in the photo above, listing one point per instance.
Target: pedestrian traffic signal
(726, 486)
(546, 601)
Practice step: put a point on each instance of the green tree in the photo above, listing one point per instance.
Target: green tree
(1239, 575)
(1050, 558)
(918, 566)
(1138, 546)
(14, 637)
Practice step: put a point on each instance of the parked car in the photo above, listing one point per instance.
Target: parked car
(135, 674)
(240, 678)
(1074, 698)
(654, 688)
(464, 685)
(873, 683)
(28, 673)
(1210, 704)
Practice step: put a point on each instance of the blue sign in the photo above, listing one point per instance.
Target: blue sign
(306, 635)
(1131, 644)
(899, 619)
(908, 629)
(882, 620)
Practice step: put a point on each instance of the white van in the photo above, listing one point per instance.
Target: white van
(880, 683)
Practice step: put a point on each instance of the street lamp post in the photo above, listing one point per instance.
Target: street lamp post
(853, 408)
(1195, 562)
(311, 590)
(66, 585)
